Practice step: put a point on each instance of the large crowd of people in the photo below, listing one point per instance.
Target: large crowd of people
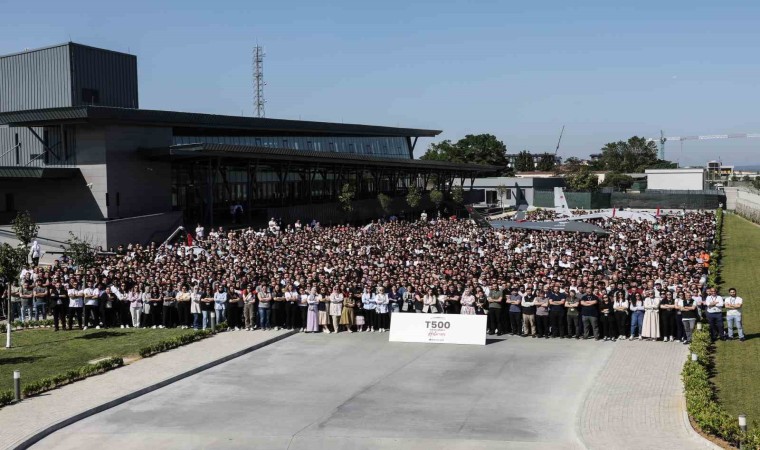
(640, 281)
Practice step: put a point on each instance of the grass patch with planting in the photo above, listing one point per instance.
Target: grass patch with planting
(737, 364)
(42, 353)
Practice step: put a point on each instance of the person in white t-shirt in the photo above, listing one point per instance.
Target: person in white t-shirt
(714, 304)
(199, 232)
(733, 305)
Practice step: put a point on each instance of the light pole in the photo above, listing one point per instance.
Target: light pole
(9, 319)
(743, 426)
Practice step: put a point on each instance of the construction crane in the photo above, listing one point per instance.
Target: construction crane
(664, 139)
(558, 141)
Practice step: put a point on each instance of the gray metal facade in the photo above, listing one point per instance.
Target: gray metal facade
(35, 79)
(55, 77)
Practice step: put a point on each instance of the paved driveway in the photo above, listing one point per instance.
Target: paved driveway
(360, 391)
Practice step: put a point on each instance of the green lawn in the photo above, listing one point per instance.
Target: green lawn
(738, 364)
(39, 353)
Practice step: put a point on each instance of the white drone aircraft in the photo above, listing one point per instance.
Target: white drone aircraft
(561, 208)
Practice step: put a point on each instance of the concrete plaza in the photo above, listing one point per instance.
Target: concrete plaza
(360, 391)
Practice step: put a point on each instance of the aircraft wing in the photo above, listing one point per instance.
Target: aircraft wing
(576, 227)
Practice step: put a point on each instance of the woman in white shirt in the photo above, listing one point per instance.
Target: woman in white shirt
(620, 306)
(637, 316)
(135, 305)
(651, 327)
(369, 306)
(195, 307)
(429, 302)
(336, 308)
(468, 303)
(383, 316)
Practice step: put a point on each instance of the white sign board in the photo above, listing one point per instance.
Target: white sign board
(438, 328)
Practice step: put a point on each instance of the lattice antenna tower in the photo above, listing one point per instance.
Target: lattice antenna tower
(258, 81)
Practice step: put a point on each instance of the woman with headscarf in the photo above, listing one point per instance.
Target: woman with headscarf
(468, 303)
(347, 315)
(651, 327)
(369, 306)
(313, 300)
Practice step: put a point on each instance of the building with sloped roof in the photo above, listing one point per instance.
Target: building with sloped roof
(79, 154)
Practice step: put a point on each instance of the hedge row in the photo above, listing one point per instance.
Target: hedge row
(70, 376)
(179, 341)
(701, 399)
(32, 323)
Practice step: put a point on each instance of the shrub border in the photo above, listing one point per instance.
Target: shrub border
(701, 396)
(72, 375)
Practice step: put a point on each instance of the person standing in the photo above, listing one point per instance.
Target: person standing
(515, 312)
(91, 309)
(265, 306)
(348, 316)
(291, 307)
(590, 314)
(688, 307)
(40, 295)
(233, 309)
(668, 317)
(382, 312)
(169, 311)
(557, 312)
(572, 305)
(134, 301)
(184, 300)
(312, 315)
(733, 306)
(637, 316)
(369, 306)
(528, 315)
(495, 299)
(651, 327)
(336, 308)
(620, 308)
(714, 303)
(220, 304)
(76, 304)
(249, 308)
(468, 303)
(196, 296)
(542, 313)
(156, 306)
(59, 299)
(607, 316)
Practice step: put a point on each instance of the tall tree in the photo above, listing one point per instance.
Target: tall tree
(25, 228)
(524, 162)
(472, 149)
(546, 163)
(632, 156)
(436, 197)
(583, 181)
(346, 197)
(619, 181)
(80, 251)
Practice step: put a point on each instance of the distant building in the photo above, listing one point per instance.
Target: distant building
(690, 179)
(718, 173)
(510, 191)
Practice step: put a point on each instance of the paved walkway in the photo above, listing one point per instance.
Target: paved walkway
(20, 421)
(359, 391)
(637, 401)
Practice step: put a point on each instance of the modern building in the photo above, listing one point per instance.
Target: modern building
(686, 179)
(79, 154)
(511, 191)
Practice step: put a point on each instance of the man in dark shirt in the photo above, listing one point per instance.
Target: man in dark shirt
(59, 302)
(590, 314)
(515, 312)
(495, 299)
(557, 312)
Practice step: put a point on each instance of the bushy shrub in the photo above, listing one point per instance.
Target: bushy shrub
(6, 398)
(179, 341)
(46, 384)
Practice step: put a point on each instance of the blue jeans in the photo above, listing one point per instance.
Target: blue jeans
(206, 318)
(735, 321)
(40, 306)
(263, 318)
(220, 316)
(637, 320)
(716, 325)
(26, 312)
(197, 320)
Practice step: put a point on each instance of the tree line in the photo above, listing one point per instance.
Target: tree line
(617, 158)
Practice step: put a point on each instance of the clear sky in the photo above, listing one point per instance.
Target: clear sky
(519, 70)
